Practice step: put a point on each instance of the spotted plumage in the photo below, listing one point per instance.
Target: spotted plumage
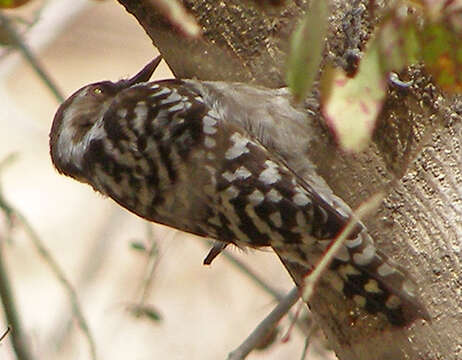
(209, 158)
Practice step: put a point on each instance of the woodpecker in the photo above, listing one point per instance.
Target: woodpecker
(227, 161)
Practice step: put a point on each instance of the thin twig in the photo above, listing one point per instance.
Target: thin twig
(265, 327)
(50, 261)
(277, 295)
(251, 274)
(17, 41)
(150, 267)
(294, 322)
(5, 333)
(18, 337)
(305, 349)
(140, 309)
(307, 341)
(311, 280)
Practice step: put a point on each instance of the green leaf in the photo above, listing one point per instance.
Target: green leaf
(147, 311)
(307, 44)
(440, 42)
(138, 246)
(12, 3)
(398, 43)
(442, 54)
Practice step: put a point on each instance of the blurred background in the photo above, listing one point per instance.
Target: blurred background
(205, 312)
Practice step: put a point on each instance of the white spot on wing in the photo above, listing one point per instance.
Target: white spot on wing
(162, 91)
(210, 130)
(239, 147)
(256, 197)
(176, 107)
(173, 97)
(274, 196)
(209, 125)
(409, 288)
(241, 173)
(209, 121)
(366, 256)
(353, 242)
(228, 176)
(232, 192)
(301, 199)
(385, 270)
(271, 174)
(343, 254)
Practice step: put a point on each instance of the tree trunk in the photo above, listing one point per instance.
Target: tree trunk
(415, 156)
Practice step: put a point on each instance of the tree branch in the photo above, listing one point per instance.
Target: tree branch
(415, 157)
(18, 337)
(265, 328)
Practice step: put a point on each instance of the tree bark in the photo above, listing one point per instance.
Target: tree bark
(415, 156)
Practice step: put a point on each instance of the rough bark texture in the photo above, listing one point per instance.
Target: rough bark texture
(415, 156)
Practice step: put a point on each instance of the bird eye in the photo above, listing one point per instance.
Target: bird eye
(101, 89)
(97, 91)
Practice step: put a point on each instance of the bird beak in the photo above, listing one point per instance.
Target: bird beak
(145, 73)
